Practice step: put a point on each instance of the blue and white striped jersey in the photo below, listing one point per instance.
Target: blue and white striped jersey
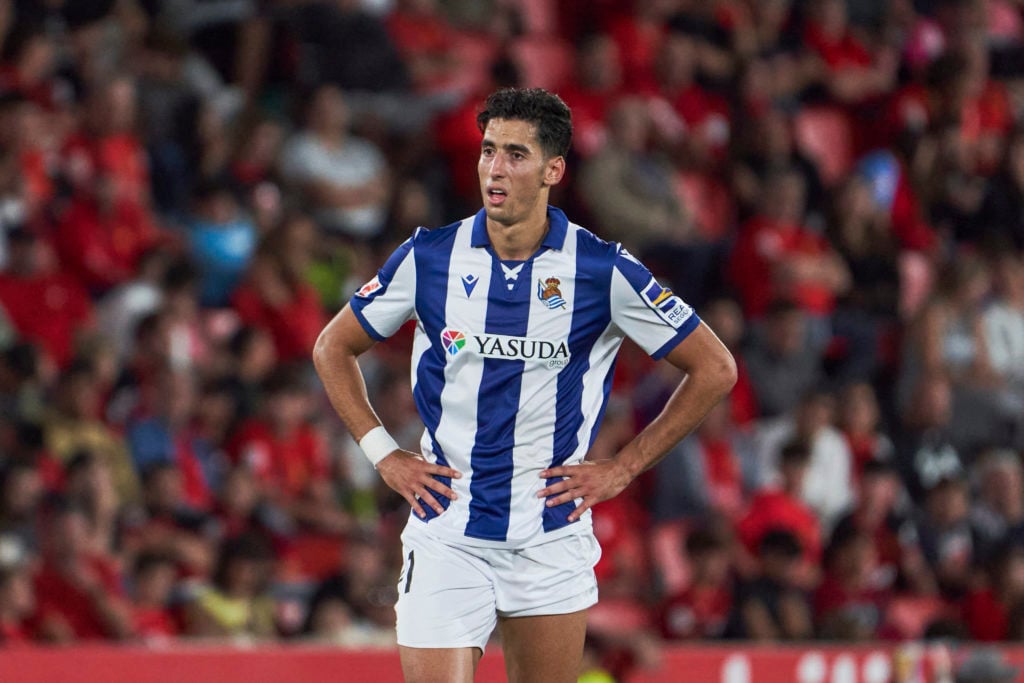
(512, 361)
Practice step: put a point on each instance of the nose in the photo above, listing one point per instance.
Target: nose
(497, 166)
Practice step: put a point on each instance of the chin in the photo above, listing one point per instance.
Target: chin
(496, 214)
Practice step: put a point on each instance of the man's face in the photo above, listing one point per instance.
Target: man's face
(513, 171)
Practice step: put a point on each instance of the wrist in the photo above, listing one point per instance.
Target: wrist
(377, 444)
(628, 463)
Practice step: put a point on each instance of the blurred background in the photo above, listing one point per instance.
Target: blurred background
(190, 189)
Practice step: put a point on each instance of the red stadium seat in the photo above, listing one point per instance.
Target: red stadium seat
(825, 136)
(710, 203)
(668, 543)
(543, 62)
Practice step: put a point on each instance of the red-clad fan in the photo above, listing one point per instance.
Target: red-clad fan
(782, 508)
(17, 603)
(702, 609)
(288, 455)
(154, 577)
(45, 305)
(79, 589)
(275, 297)
(777, 257)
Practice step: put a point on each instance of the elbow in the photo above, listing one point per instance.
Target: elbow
(320, 349)
(726, 372)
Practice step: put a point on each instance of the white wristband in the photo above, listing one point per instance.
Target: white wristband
(377, 444)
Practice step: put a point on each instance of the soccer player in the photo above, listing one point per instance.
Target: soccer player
(519, 315)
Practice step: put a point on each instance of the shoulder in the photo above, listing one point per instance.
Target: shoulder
(438, 234)
(434, 237)
(586, 246)
(588, 242)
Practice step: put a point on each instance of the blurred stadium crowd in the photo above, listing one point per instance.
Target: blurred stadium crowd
(189, 189)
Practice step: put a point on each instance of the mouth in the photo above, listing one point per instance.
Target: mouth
(495, 196)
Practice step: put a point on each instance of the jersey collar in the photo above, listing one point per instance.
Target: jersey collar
(558, 226)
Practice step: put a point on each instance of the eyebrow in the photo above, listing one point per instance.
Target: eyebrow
(510, 147)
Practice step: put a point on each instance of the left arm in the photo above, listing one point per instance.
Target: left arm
(710, 374)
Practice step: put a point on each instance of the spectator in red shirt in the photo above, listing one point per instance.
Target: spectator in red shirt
(687, 115)
(777, 257)
(17, 604)
(702, 609)
(783, 508)
(107, 226)
(990, 609)
(276, 298)
(45, 305)
(107, 147)
(153, 580)
(850, 603)
(859, 420)
(900, 561)
(288, 455)
(79, 589)
(101, 236)
(639, 34)
(957, 88)
(710, 473)
(29, 63)
(426, 40)
(848, 70)
(32, 168)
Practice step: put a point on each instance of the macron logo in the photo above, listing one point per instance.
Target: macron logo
(469, 282)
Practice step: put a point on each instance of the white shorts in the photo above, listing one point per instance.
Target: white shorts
(452, 596)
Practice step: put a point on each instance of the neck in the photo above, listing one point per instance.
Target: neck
(520, 241)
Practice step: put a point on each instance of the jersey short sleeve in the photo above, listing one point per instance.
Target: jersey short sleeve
(384, 303)
(649, 314)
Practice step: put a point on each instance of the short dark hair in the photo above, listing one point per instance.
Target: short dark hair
(545, 110)
(779, 542)
(703, 542)
(878, 468)
(796, 451)
(151, 559)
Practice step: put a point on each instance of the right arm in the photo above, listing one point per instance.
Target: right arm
(334, 355)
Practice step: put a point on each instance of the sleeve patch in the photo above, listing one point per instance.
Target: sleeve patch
(667, 305)
(369, 288)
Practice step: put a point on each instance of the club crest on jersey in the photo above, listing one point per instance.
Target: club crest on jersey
(549, 293)
(667, 305)
(370, 287)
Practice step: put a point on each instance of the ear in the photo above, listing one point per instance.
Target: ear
(554, 170)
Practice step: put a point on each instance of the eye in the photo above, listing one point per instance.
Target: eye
(518, 156)
(487, 151)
